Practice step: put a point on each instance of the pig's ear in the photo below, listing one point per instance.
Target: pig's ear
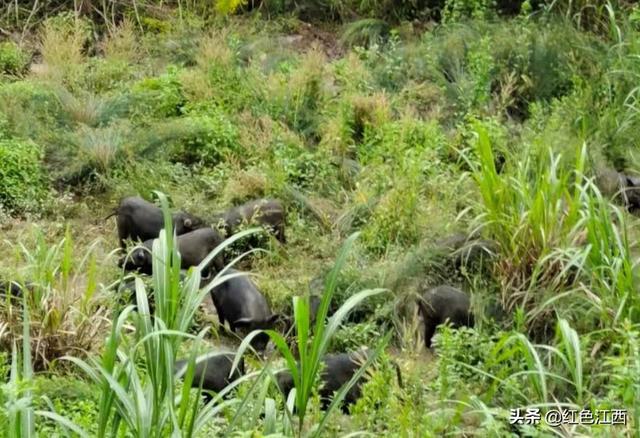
(270, 321)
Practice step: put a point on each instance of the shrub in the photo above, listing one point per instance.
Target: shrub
(13, 61)
(23, 185)
(30, 108)
(205, 139)
(302, 167)
(403, 144)
(352, 336)
(157, 97)
(74, 398)
(394, 220)
(102, 75)
(387, 63)
(538, 65)
(380, 400)
(457, 10)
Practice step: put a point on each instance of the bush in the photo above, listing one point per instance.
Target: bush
(104, 75)
(157, 97)
(76, 399)
(31, 108)
(205, 139)
(405, 148)
(353, 336)
(13, 61)
(457, 10)
(303, 167)
(23, 186)
(394, 220)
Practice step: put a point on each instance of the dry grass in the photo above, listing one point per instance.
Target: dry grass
(85, 109)
(101, 147)
(244, 185)
(214, 50)
(67, 311)
(122, 44)
(62, 49)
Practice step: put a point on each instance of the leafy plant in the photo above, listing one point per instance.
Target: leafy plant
(457, 10)
(22, 178)
(13, 61)
(541, 215)
(61, 291)
(208, 138)
(313, 344)
(157, 97)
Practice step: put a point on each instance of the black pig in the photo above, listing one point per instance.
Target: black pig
(214, 372)
(442, 304)
(338, 369)
(269, 213)
(239, 302)
(194, 247)
(141, 220)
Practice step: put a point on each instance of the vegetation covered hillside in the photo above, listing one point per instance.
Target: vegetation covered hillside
(490, 146)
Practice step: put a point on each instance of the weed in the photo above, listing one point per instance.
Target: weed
(62, 44)
(13, 60)
(64, 306)
(23, 180)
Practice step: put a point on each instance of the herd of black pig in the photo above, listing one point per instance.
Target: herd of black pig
(238, 301)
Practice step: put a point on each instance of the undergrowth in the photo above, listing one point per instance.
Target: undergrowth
(373, 120)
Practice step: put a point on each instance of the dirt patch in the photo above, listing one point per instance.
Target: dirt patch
(326, 39)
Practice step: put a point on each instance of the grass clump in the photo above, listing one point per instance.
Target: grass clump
(63, 299)
(552, 227)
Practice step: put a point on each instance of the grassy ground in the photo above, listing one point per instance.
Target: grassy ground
(495, 127)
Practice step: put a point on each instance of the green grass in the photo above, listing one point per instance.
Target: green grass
(375, 122)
